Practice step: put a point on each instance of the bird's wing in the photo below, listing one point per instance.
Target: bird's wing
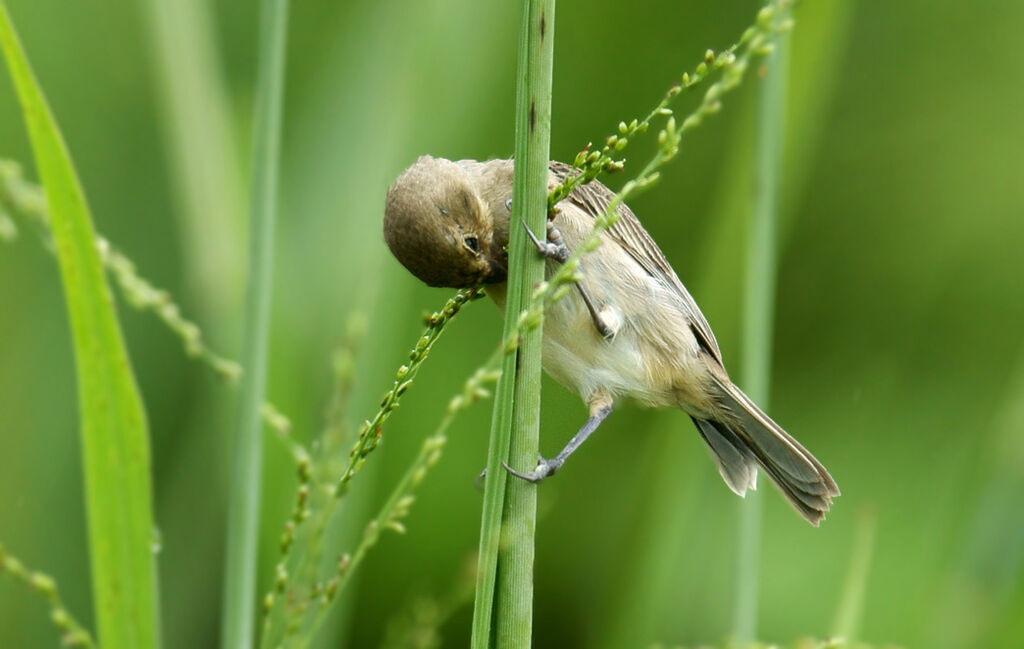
(594, 199)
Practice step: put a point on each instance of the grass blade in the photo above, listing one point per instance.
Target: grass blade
(510, 507)
(238, 631)
(115, 442)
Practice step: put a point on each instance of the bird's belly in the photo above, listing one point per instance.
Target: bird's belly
(584, 363)
(579, 358)
(652, 359)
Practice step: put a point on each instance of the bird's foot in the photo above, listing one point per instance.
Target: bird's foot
(479, 482)
(553, 248)
(544, 469)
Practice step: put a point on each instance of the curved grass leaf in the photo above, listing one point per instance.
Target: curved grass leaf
(115, 443)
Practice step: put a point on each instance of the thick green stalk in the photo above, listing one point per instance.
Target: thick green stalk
(759, 312)
(114, 435)
(244, 499)
(510, 506)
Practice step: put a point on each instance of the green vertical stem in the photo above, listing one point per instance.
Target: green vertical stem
(759, 312)
(851, 606)
(503, 608)
(244, 497)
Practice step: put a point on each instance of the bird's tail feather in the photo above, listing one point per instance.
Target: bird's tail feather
(746, 437)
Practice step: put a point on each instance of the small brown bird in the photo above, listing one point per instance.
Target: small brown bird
(631, 331)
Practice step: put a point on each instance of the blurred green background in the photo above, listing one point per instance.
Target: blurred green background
(898, 357)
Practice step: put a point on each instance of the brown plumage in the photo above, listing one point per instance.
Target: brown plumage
(448, 223)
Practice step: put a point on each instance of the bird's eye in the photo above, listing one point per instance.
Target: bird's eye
(472, 243)
(508, 204)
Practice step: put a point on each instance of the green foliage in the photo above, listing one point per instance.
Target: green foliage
(875, 369)
(803, 643)
(115, 441)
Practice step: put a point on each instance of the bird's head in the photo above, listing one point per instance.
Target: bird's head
(437, 225)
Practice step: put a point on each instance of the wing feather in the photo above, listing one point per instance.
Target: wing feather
(594, 198)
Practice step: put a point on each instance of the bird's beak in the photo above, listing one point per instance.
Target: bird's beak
(498, 263)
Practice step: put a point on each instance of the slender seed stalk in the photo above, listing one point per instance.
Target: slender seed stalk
(73, 633)
(28, 202)
(759, 311)
(244, 498)
(395, 509)
(293, 621)
(517, 400)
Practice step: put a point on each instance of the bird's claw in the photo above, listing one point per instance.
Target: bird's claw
(554, 248)
(479, 482)
(545, 468)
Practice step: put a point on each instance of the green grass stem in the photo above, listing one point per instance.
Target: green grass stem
(114, 435)
(851, 606)
(238, 629)
(514, 622)
(759, 311)
(510, 507)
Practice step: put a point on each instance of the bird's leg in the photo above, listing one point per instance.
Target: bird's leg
(599, 323)
(600, 408)
(555, 248)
